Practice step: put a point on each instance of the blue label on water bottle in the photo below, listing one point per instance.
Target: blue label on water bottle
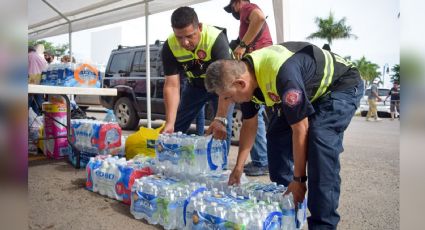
(145, 203)
(273, 221)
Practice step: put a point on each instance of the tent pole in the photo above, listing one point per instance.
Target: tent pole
(69, 26)
(148, 66)
(70, 41)
(278, 17)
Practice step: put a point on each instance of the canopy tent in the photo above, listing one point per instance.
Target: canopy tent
(55, 17)
(85, 14)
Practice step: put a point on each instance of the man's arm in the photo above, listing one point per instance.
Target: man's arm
(171, 101)
(299, 143)
(256, 21)
(389, 94)
(171, 87)
(217, 128)
(299, 148)
(246, 141)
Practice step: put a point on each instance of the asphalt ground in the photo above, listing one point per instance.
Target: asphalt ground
(369, 192)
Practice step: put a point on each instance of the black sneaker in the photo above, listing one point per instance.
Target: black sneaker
(253, 170)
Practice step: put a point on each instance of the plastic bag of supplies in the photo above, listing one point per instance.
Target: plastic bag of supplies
(142, 142)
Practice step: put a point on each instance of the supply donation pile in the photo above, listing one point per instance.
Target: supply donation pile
(92, 137)
(188, 155)
(113, 176)
(188, 188)
(71, 75)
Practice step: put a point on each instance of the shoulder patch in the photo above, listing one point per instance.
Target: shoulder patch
(201, 54)
(293, 97)
(274, 97)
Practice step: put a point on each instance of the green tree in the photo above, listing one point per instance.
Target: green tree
(368, 71)
(396, 76)
(331, 29)
(57, 50)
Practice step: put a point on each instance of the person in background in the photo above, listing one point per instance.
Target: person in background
(66, 59)
(36, 65)
(395, 100)
(190, 49)
(372, 98)
(254, 34)
(48, 56)
(313, 95)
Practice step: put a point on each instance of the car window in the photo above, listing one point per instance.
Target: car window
(138, 62)
(381, 92)
(119, 63)
(367, 93)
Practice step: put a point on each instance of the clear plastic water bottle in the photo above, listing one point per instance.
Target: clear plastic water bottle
(217, 153)
(288, 213)
(110, 116)
(189, 212)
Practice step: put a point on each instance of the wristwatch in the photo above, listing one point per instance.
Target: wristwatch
(300, 179)
(242, 44)
(223, 120)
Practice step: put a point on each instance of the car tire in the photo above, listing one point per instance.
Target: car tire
(236, 126)
(126, 114)
(363, 113)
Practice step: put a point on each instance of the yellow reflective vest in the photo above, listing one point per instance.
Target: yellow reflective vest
(202, 52)
(267, 62)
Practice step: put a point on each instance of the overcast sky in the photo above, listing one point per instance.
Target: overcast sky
(375, 22)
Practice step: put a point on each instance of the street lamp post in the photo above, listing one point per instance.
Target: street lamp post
(386, 69)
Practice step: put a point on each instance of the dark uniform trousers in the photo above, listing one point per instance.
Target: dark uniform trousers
(333, 113)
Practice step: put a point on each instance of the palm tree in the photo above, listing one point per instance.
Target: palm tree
(57, 50)
(396, 76)
(368, 71)
(330, 29)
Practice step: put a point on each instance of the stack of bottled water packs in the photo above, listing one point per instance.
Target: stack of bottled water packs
(113, 176)
(161, 200)
(92, 137)
(63, 74)
(189, 155)
(178, 204)
(186, 191)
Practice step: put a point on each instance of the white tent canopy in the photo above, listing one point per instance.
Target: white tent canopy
(55, 17)
(85, 14)
(49, 18)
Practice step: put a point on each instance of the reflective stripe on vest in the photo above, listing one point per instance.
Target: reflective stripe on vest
(327, 76)
(209, 35)
(267, 62)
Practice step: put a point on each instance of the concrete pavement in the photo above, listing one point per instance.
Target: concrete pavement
(369, 200)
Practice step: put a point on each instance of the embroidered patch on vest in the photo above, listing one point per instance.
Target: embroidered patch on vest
(274, 97)
(201, 54)
(293, 97)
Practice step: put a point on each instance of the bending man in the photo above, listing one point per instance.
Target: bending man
(191, 49)
(312, 95)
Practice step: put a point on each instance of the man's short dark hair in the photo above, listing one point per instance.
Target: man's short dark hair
(183, 17)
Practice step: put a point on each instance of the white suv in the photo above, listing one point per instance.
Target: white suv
(383, 107)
